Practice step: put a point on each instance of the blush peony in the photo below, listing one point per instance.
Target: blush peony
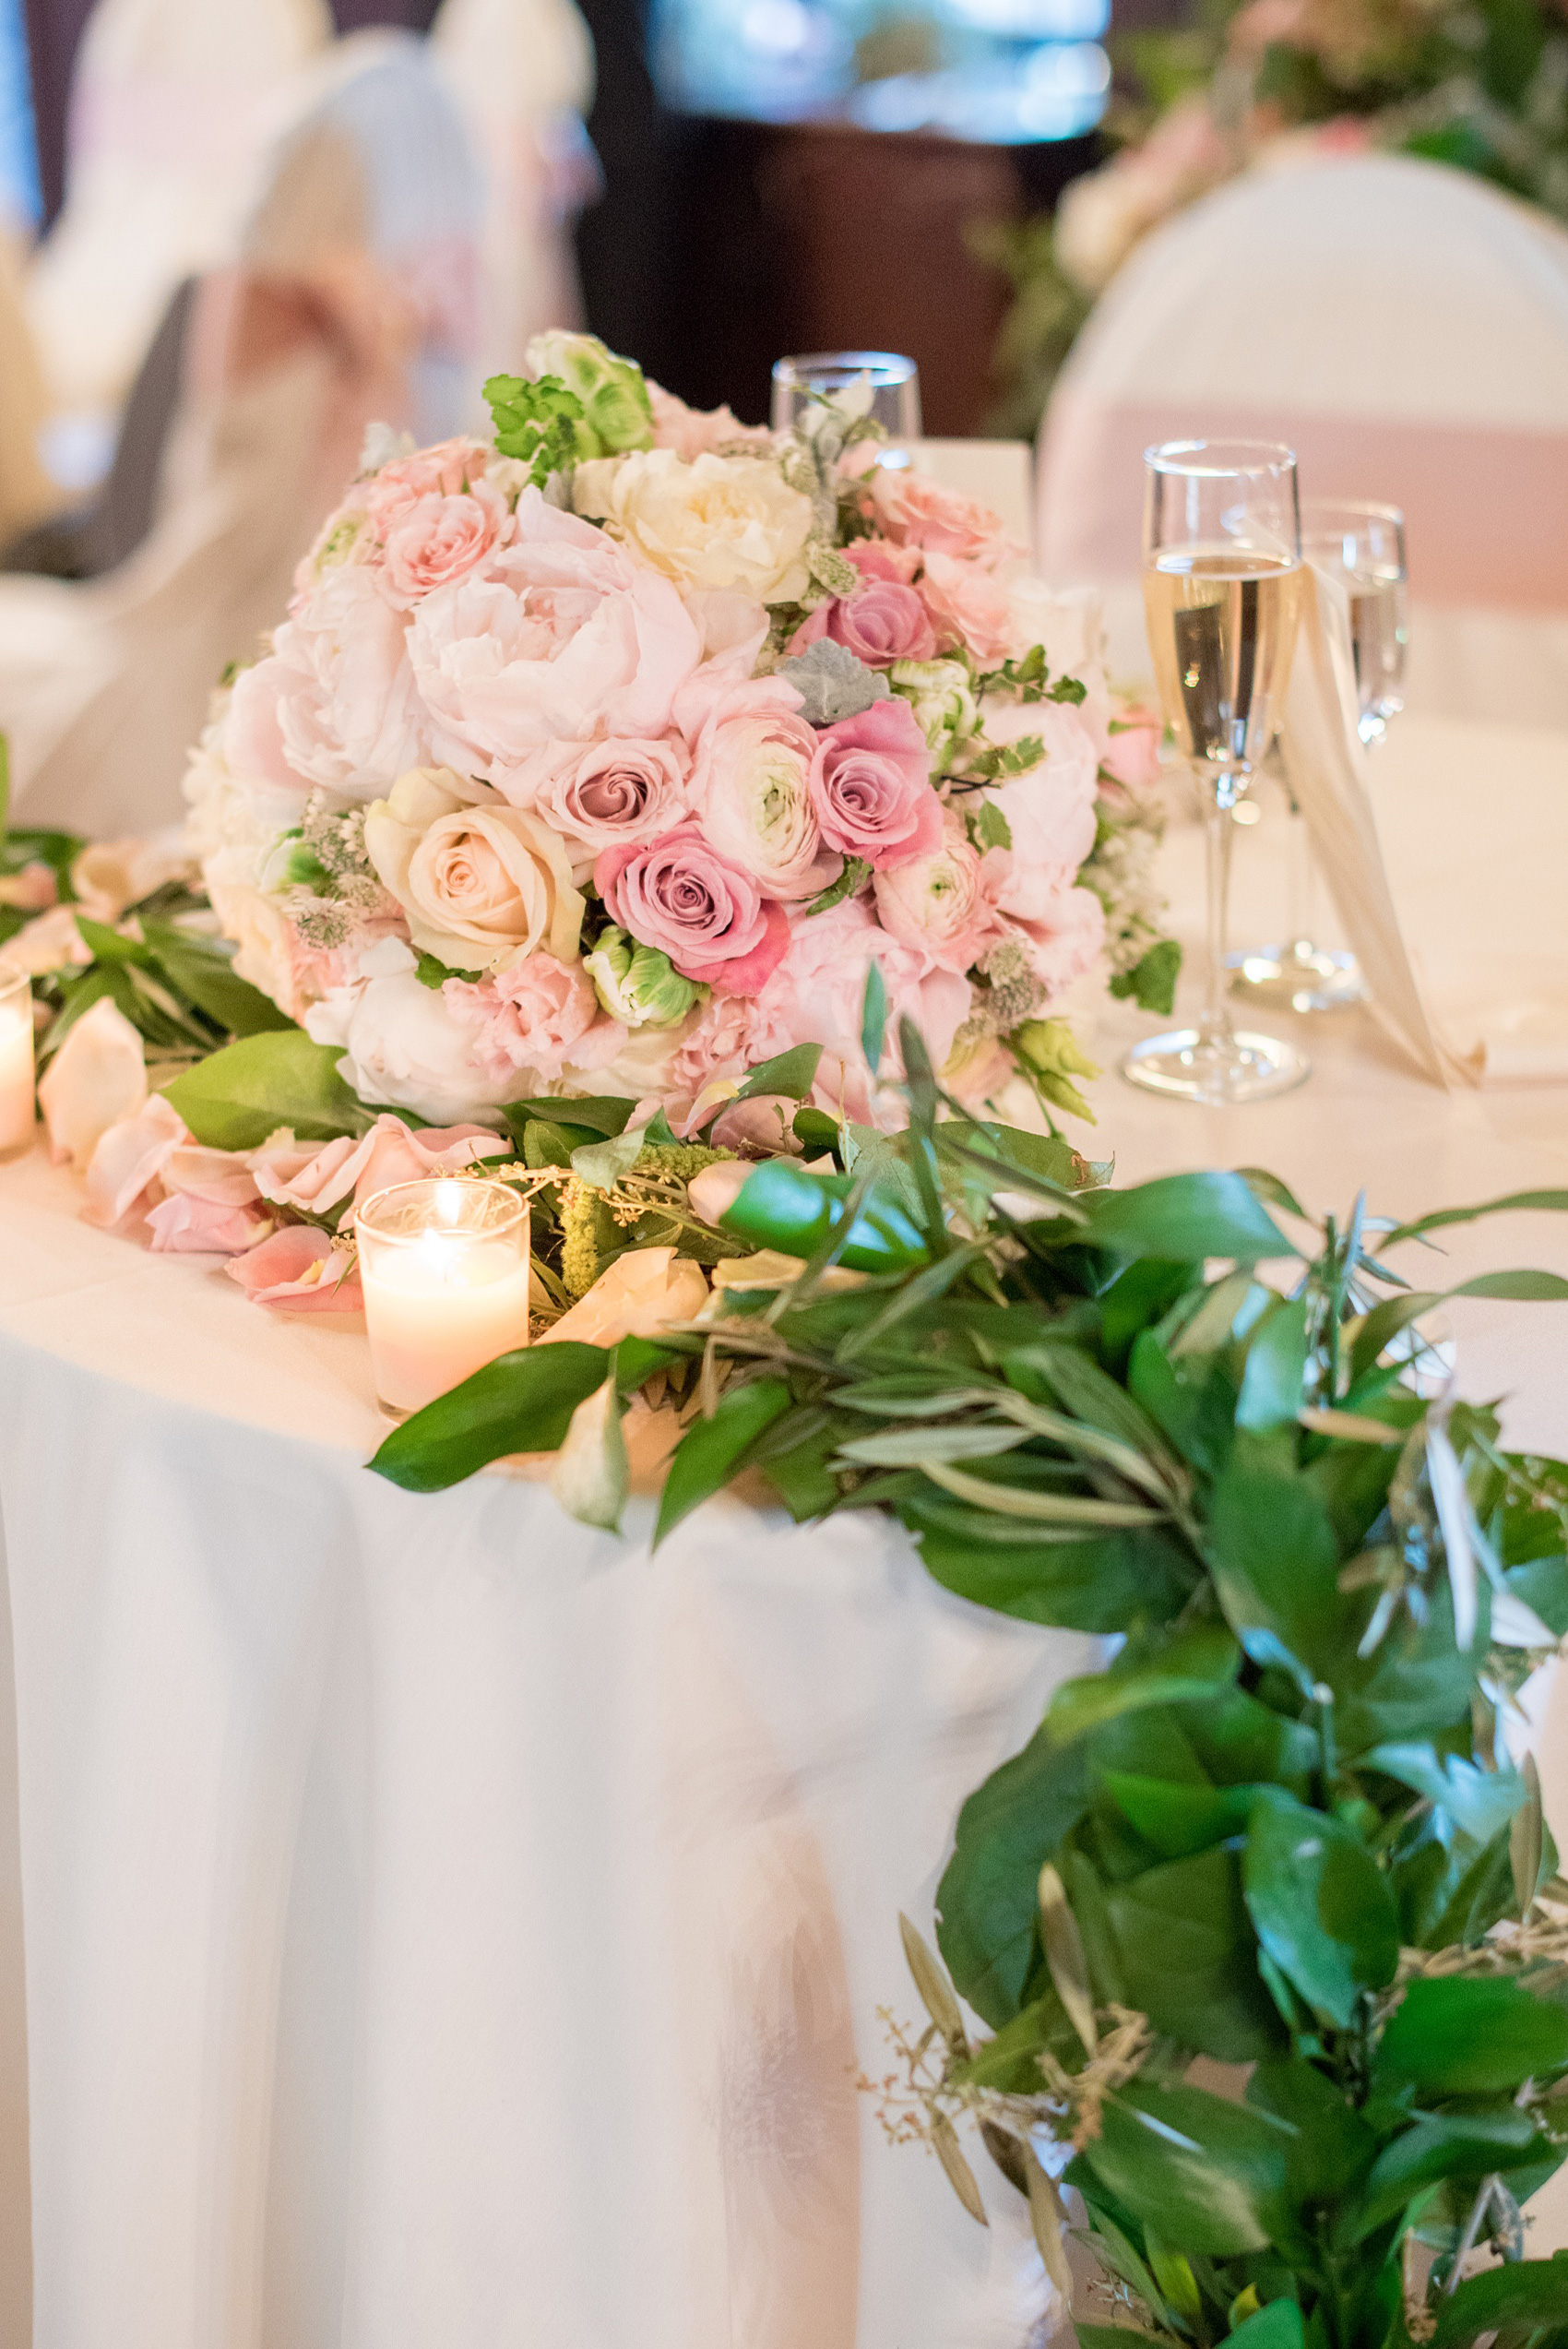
(717, 522)
(439, 540)
(540, 1015)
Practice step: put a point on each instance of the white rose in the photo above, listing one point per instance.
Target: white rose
(481, 883)
(720, 522)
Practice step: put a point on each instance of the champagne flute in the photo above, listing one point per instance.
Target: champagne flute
(1222, 572)
(893, 381)
(1361, 546)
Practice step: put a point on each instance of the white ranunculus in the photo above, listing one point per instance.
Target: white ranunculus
(718, 522)
(751, 787)
(481, 883)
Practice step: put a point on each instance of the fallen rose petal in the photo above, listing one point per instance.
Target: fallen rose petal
(299, 1271)
(129, 1155)
(637, 1297)
(216, 1178)
(184, 1223)
(96, 1076)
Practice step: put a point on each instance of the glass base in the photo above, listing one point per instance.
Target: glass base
(1299, 977)
(1189, 1066)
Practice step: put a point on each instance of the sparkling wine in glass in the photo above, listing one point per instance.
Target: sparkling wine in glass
(1361, 546)
(893, 382)
(1222, 573)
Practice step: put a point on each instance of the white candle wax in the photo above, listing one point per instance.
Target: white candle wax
(15, 1072)
(438, 1309)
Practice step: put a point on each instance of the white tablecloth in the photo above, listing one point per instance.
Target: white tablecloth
(445, 1925)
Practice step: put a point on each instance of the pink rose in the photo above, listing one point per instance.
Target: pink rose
(1132, 754)
(1068, 941)
(564, 639)
(390, 1153)
(678, 894)
(613, 792)
(968, 607)
(881, 623)
(1049, 810)
(299, 1271)
(871, 786)
(446, 470)
(941, 902)
(916, 511)
(750, 786)
(438, 539)
(696, 432)
(542, 1015)
(817, 992)
(347, 708)
(878, 558)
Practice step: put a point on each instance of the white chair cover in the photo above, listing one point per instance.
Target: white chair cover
(352, 303)
(1405, 330)
(522, 73)
(26, 494)
(173, 104)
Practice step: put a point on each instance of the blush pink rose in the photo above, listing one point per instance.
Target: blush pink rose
(446, 470)
(680, 895)
(916, 511)
(540, 1014)
(438, 539)
(968, 607)
(878, 558)
(881, 623)
(348, 709)
(940, 902)
(613, 793)
(1132, 757)
(564, 639)
(299, 1271)
(871, 786)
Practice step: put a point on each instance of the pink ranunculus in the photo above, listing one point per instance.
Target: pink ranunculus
(871, 786)
(882, 623)
(299, 1271)
(696, 432)
(916, 511)
(442, 539)
(969, 608)
(543, 1015)
(448, 469)
(878, 558)
(347, 708)
(680, 895)
(1132, 754)
(613, 792)
(817, 994)
(185, 1224)
(940, 902)
(1049, 809)
(1067, 942)
(128, 1157)
(751, 787)
(390, 1153)
(565, 637)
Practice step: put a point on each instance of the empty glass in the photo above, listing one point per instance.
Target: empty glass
(1222, 573)
(1361, 546)
(894, 383)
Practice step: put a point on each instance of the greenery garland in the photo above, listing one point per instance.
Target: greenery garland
(1282, 1829)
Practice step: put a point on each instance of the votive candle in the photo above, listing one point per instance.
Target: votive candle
(444, 1264)
(17, 1113)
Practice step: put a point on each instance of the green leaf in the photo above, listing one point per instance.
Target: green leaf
(605, 1113)
(1333, 2148)
(1454, 2036)
(1180, 1820)
(1320, 1904)
(874, 1017)
(1276, 1570)
(1513, 1202)
(1108, 1583)
(926, 1446)
(1151, 982)
(791, 1074)
(852, 875)
(1461, 2146)
(521, 1402)
(1479, 1801)
(1525, 2293)
(712, 1451)
(239, 1096)
(1187, 1957)
(1274, 1377)
(203, 974)
(1199, 1662)
(988, 827)
(931, 1448)
(1185, 1218)
(780, 1206)
(1210, 2174)
(602, 1164)
(1277, 2325)
(1007, 1832)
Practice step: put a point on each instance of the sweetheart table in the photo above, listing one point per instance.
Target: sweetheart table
(445, 1924)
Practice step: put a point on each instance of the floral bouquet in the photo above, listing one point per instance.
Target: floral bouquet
(611, 758)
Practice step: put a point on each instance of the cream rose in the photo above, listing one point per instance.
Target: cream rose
(481, 883)
(718, 522)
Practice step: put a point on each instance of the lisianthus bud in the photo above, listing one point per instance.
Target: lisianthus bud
(637, 984)
(939, 692)
(1052, 1053)
(617, 414)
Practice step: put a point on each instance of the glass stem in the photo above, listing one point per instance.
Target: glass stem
(1214, 1025)
(1299, 908)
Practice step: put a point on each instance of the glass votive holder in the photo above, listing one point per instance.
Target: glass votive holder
(17, 1116)
(444, 1264)
(892, 381)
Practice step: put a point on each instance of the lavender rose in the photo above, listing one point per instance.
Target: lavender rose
(871, 787)
(708, 916)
